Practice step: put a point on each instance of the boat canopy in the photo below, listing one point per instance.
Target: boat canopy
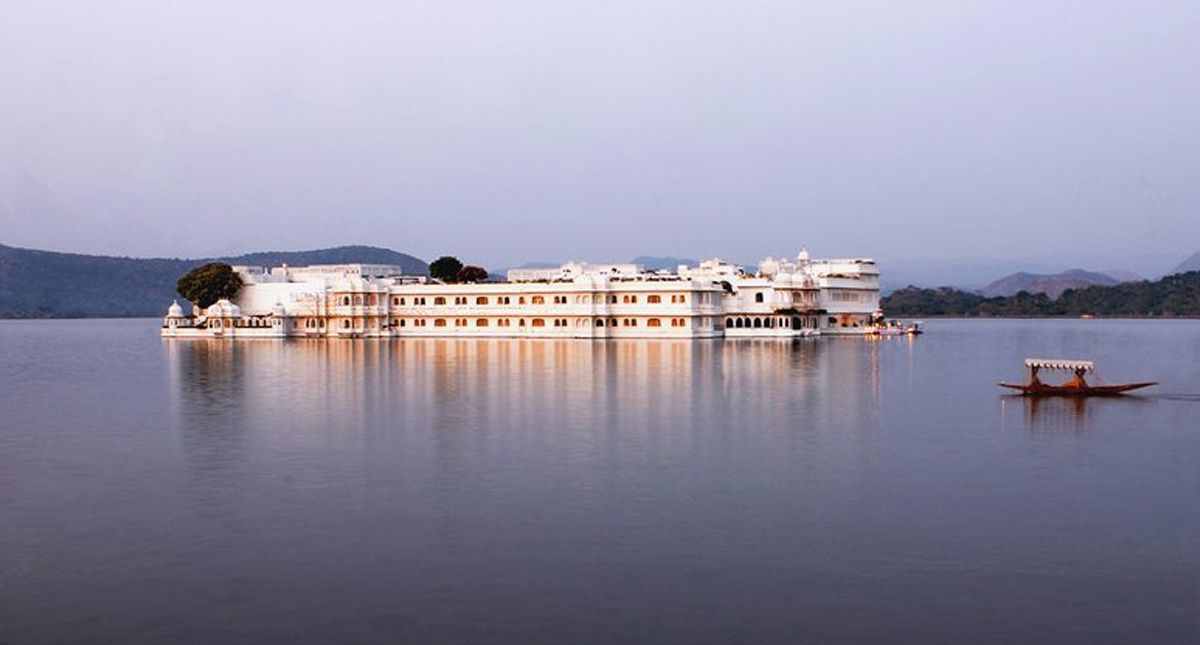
(1060, 364)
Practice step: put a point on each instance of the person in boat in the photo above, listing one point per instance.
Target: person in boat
(1077, 381)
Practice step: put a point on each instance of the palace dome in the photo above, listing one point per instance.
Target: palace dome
(175, 311)
(224, 309)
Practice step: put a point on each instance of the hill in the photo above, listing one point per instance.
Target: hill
(1053, 285)
(1174, 295)
(655, 263)
(1190, 264)
(47, 284)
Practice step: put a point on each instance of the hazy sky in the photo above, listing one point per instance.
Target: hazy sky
(511, 131)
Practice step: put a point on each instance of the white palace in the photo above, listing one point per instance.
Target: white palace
(784, 298)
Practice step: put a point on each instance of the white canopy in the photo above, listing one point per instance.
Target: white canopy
(1060, 364)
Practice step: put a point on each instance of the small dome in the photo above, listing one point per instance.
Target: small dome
(224, 309)
(278, 310)
(175, 311)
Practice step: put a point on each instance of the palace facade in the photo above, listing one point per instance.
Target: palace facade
(784, 298)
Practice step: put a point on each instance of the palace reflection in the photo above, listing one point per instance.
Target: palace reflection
(468, 402)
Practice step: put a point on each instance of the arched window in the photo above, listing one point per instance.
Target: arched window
(440, 322)
(481, 300)
(758, 297)
(521, 323)
(345, 324)
(654, 322)
(729, 322)
(682, 298)
(345, 300)
(538, 300)
(612, 300)
(538, 322)
(371, 300)
(599, 322)
(758, 323)
(654, 299)
(439, 300)
(481, 322)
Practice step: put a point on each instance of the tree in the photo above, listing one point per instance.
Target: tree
(205, 285)
(445, 268)
(472, 273)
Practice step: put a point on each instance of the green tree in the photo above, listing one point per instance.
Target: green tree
(207, 284)
(471, 273)
(445, 268)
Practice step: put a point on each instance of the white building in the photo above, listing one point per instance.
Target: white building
(786, 298)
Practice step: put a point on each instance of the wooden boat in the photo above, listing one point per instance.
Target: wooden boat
(1077, 386)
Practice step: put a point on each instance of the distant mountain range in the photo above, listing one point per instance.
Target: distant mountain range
(1176, 295)
(1190, 264)
(46, 284)
(657, 263)
(1050, 284)
(971, 274)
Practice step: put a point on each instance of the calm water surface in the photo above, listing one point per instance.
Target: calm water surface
(463, 491)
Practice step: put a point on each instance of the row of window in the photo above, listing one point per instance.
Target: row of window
(845, 295)
(400, 301)
(794, 322)
(346, 323)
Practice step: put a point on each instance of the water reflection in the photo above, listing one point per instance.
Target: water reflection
(636, 390)
(1053, 414)
(461, 490)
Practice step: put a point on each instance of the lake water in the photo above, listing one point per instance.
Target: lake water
(488, 491)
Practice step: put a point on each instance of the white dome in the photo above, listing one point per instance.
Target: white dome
(175, 311)
(278, 310)
(224, 309)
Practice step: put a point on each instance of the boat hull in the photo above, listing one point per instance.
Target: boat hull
(1075, 390)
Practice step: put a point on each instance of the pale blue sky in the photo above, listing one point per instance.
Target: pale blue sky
(514, 131)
